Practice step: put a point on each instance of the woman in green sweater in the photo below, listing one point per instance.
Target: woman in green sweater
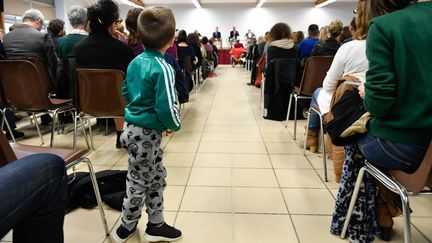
(398, 88)
(78, 19)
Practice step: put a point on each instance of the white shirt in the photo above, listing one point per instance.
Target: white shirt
(349, 59)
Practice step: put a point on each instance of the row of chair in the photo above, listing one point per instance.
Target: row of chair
(26, 87)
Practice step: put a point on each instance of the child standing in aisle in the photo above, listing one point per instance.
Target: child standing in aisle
(152, 108)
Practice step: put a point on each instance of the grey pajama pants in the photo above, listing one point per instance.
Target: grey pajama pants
(145, 181)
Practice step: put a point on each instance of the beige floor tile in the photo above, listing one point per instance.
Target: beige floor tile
(331, 178)
(259, 200)
(251, 161)
(298, 178)
(205, 227)
(289, 161)
(278, 129)
(283, 148)
(177, 176)
(254, 178)
(256, 228)
(309, 201)
(231, 129)
(83, 225)
(317, 161)
(210, 177)
(207, 199)
(398, 233)
(282, 137)
(7, 237)
(312, 229)
(224, 147)
(424, 225)
(421, 206)
(178, 159)
(213, 160)
(181, 147)
(172, 197)
(106, 157)
(186, 137)
(232, 137)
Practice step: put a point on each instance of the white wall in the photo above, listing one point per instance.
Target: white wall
(297, 15)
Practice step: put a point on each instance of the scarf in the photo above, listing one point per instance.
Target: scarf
(283, 43)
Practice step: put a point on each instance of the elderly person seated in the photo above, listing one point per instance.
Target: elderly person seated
(77, 16)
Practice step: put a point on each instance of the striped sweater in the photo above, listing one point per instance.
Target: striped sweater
(150, 93)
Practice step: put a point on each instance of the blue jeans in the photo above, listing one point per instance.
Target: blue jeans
(10, 119)
(314, 120)
(33, 196)
(389, 155)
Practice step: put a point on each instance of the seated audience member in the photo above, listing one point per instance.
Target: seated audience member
(352, 29)
(186, 57)
(134, 40)
(250, 35)
(33, 195)
(349, 59)
(100, 49)
(345, 34)
(397, 91)
(306, 45)
(329, 46)
(56, 31)
(193, 41)
(276, 93)
(173, 51)
(77, 16)
(298, 36)
(254, 57)
(207, 46)
(26, 41)
(119, 33)
(237, 52)
(324, 33)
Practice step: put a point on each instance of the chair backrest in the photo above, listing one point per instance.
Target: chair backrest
(416, 181)
(99, 92)
(6, 153)
(314, 73)
(25, 84)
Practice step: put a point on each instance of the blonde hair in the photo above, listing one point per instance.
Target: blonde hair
(335, 28)
(324, 31)
(362, 20)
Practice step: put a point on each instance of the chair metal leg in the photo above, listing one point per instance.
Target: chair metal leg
(307, 131)
(84, 131)
(3, 121)
(38, 129)
(53, 126)
(97, 194)
(324, 147)
(75, 116)
(91, 134)
(289, 109)
(353, 201)
(295, 115)
(406, 213)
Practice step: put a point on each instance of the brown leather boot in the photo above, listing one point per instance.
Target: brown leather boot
(385, 221)
(338, 161)
(311, 141)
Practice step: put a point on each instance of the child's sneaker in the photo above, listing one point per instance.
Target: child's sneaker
(161, 232)
(122, 234)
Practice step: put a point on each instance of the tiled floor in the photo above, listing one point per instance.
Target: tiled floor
(233, 176)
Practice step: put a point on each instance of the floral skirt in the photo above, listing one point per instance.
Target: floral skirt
(363, 226)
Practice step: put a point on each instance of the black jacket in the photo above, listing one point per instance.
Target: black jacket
(101, 50)
(327, 48)
(27, 42)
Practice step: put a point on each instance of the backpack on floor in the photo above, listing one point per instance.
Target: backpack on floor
(112, 187)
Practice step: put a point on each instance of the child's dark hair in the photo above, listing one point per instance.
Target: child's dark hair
(102, 14)
(204, 40)
(156, 27)
(55, 26)
(182, 36)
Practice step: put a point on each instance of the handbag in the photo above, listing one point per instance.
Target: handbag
(347, 118)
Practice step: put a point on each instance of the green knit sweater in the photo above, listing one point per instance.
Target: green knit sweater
(67, 43)
(399, 80)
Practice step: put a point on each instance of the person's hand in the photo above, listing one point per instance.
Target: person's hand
(361, 90)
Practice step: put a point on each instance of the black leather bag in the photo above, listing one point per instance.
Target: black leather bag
(345, 111)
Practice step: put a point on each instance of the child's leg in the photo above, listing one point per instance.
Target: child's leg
(143, 147)
(154, 199)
